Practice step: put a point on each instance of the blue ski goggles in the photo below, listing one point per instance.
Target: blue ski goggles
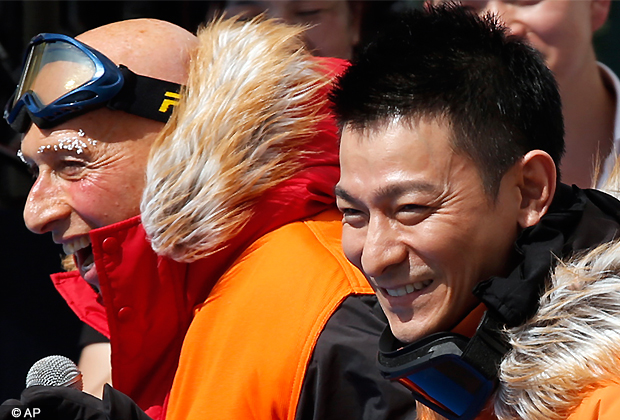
(449, 373)
(62, 78)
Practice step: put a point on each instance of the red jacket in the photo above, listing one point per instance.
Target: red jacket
(145, 308)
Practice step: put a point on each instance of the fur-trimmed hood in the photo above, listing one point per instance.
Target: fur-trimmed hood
(570, 346)
(247, 121)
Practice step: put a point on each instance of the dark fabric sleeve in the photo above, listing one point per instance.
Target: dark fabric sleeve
(89, 335)
(342, 380)
(62, 403)
(119, 406)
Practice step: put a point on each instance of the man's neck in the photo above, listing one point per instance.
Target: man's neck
(589, 107)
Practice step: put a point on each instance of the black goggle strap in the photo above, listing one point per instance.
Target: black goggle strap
(487, 347)
(145, 96)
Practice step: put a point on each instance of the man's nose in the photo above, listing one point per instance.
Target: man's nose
(382, 248)
(509, 15)
(44, 206)
(279, 10)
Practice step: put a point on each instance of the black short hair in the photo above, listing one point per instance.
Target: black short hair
(446, 62)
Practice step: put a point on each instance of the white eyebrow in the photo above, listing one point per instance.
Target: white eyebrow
(20, 155)
(76, 143)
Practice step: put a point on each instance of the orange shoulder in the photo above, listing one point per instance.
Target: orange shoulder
(601, 404)
(247, 349)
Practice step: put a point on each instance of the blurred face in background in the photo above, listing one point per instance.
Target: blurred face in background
(560, 29)
(334, 25)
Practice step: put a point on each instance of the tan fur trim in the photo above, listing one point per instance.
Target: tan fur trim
(570, 346)
(425, 413)
(68, 263)
(612, 184)
(250, 102)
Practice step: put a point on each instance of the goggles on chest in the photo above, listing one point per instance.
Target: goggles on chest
(447, 372)
(62, 78)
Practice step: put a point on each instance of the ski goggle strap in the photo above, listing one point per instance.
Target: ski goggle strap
(145, 96)
(447, 372)
(63, 78)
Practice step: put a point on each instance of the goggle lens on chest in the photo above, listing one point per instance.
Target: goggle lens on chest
(449, 373)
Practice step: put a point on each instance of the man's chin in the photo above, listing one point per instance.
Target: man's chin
(406, 332)
(406, 338)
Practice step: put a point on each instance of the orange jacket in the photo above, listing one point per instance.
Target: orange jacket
(246, 352)
(601, 404)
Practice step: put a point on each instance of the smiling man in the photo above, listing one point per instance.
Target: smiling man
(452, 135)
(420, 224)
(88, 126)
(84, 161)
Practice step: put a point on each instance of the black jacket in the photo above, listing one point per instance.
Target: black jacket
(576, 221)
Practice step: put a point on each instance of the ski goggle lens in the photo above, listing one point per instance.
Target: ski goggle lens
(435, 372)
(449, 387)
(63, 63)
(63, 78)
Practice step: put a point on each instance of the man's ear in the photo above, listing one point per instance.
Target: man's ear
(537, 179)
(599, 12)
(356, 11)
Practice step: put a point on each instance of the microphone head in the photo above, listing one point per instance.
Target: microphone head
(55, 371)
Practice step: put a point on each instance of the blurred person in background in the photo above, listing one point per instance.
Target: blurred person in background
(335, 28)
(562, 30)
(334, 25)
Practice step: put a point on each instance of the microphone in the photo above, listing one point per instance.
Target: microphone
(55, 371)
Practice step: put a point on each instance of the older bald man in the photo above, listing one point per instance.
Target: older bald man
(209, 252)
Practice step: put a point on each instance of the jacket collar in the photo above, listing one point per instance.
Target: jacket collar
(577, 219)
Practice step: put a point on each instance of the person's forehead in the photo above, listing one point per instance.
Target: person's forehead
(384, 129)
(395, 149)
(37, 147)
(255, 5)
(103, 126)
(289, 8)
(424, 146)
(288, 3)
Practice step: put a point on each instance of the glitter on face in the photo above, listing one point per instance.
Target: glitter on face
(77, 143)
(21, 156)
